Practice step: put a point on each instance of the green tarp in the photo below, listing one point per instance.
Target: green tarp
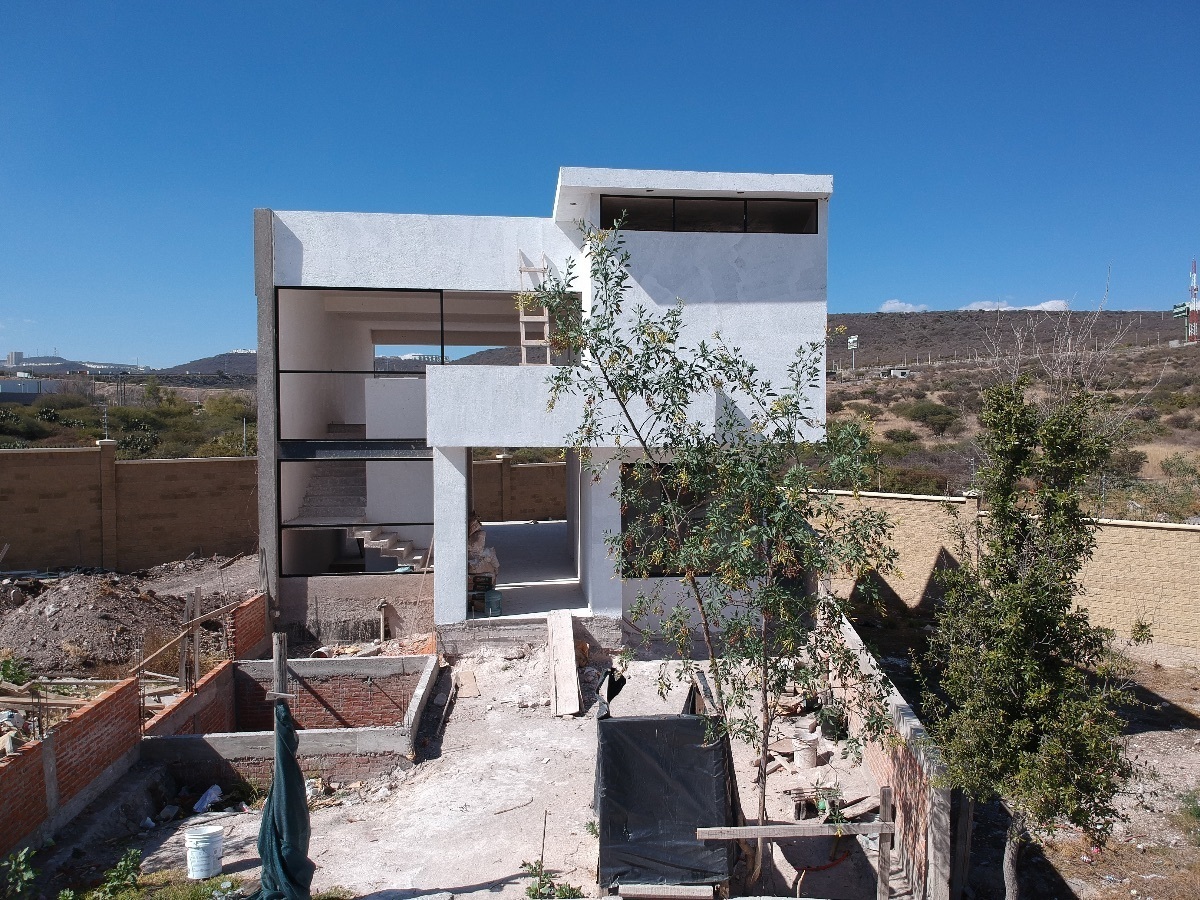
(283, 835)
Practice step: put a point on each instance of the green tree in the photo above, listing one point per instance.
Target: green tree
(1022, 689)
(726, 520)
(152, 392)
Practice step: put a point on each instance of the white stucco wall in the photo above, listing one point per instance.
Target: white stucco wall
(395, 408)
(400, 491)
(453, 253)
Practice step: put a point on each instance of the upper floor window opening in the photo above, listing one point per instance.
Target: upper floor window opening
(710, 214)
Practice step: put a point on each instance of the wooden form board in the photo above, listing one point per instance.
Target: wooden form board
(564, 677)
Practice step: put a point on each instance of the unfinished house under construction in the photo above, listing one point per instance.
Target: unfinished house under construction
(390, 347)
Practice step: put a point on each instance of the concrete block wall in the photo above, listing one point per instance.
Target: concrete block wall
(1138, 570)
(83, 507)
(207, 708)
(502, 491)
(1147, 570)
(249, 629)
(332, 693)
(351, 754)
(170, 508)
(50, 508)
(83, 756)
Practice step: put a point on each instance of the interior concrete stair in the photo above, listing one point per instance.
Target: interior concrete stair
(390, 544)
(336, 493)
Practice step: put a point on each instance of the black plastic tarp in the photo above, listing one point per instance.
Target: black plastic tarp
(283, 835)
(658, 779)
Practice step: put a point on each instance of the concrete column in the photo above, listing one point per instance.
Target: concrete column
(450, 534)
(108, 503)
(600, 513)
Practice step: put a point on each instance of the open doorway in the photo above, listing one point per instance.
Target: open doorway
(522, 500)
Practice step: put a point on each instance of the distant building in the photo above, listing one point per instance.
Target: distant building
(14, 358)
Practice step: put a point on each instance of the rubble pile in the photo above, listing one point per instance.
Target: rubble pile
(93, 623)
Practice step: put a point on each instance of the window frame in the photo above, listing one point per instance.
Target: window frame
(745, 201)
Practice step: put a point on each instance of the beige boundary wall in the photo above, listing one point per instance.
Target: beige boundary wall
(502, 491)
(83, 507)
(1139, 570)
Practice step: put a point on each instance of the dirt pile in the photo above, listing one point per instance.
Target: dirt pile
(87, 623)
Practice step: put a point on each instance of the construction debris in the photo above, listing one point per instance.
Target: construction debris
(88, 621)
(564, 676)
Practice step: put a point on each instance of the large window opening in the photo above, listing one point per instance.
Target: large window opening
(522, 539)
(712, 214)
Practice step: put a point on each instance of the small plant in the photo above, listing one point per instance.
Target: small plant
(16, 875)
(543, 887)
(592, 828)
(120, 878)
(13, 669)
(227, 890)
(1189, 815)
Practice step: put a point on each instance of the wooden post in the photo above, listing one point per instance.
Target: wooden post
(279, 661)
(196, 602)
(886, 814)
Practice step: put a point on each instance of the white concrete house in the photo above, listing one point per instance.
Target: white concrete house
(363, 469)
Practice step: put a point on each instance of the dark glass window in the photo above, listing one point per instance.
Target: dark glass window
(641, 213)
(712, 214)
(781, 216)
(705, 214)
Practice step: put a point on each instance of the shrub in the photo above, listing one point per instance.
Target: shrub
(901, 435)
(934, 416)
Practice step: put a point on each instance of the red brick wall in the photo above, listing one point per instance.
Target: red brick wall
(248, 634)
(901, 769)
(23, 787)
(85, 744)
(209, 708)
(95, 736)
(327, 701)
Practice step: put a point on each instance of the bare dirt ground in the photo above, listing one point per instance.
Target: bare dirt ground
(464, 819)
(92, 624)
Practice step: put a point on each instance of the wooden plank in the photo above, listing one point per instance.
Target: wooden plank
(197, 604)
(467, 685)
(31, 703)
(785, 832)
(669, 891)
(886, 815)
(564, 677)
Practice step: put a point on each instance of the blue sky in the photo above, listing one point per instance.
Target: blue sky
(981, 152)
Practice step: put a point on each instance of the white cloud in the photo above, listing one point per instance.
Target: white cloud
(900, 306)
(1005, 306)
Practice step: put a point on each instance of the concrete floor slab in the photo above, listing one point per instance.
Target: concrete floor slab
(537, 572)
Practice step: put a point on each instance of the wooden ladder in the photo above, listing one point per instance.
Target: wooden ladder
(534, 325)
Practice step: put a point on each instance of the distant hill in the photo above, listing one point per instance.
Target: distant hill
(235, 362)
(57, 365)
(889, 339)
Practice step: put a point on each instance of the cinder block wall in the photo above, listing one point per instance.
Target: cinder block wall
(50, 508)
(332, 693)
(1139, 569)
(170, 508)
(85, 753)
(84, 507)
(502, 491)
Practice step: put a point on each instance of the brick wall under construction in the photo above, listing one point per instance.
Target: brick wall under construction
(84, 507)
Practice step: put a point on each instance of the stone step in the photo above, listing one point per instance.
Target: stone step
(333, 500)
(399, 548)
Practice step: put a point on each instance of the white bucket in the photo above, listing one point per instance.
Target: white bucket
(204, 848)
(804, 752)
